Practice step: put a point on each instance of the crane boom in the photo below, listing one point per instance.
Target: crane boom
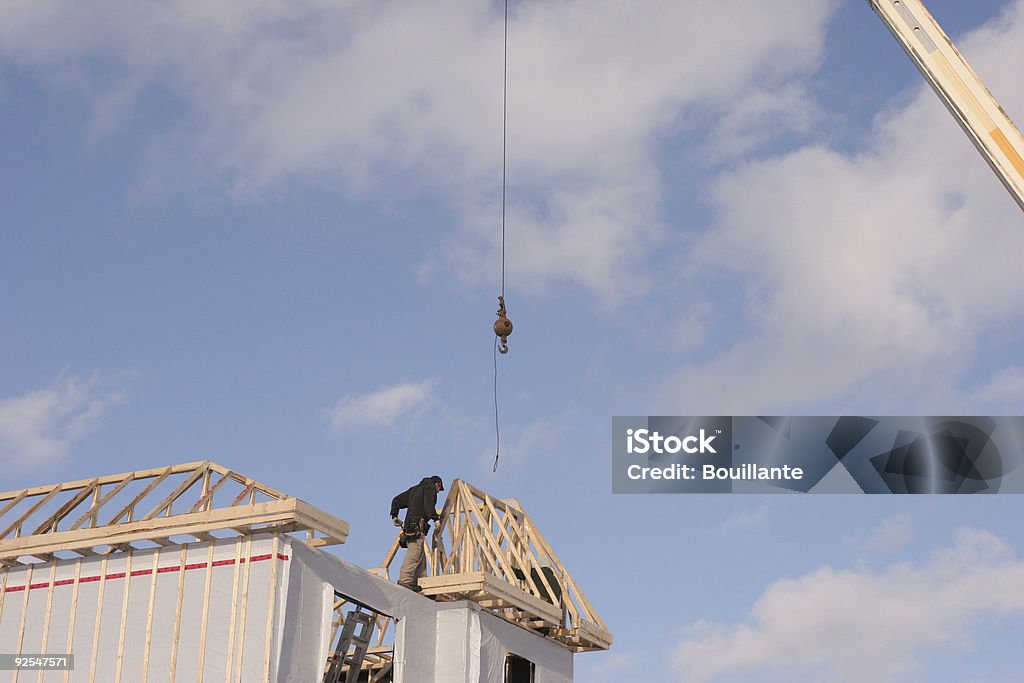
(959, 87)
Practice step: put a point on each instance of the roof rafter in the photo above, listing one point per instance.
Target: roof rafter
(489, 550)
(153, 493)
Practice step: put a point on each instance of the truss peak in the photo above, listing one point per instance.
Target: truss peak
(199, 501)
(489, 551)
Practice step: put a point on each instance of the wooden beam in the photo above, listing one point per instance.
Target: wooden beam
(281, 513)
(41, 502)
(203, 502)
(130, 507)
(184, 486)
(14, 500)
(92, 511)
(278, 512)
(109, 479)
(494, 588)
(66, 508)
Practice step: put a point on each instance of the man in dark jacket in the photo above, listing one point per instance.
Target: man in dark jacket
(421, 502)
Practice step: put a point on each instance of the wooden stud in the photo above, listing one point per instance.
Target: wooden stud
(70, 646)
(3, 592)
(206, 613)
(99, 615)
(244, 599)
(24, 615)
(49, 610)
(149, 615)
(124, 616)
(173, 666)
(271, 607)
(229, 665)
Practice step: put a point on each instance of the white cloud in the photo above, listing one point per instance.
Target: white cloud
(382, 408)
(847, 626)
(40, 427)
(754, 120)
(268, 91)
(869, 276)
(893, 534)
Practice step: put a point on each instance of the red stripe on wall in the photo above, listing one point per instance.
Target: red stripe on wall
(145, 572)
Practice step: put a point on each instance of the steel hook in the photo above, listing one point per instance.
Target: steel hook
(502, 326)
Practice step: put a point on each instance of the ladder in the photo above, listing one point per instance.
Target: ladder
(358, 641)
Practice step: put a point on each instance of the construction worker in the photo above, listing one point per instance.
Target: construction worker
(421, 502)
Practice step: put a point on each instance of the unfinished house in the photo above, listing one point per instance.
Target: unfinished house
(198, 573)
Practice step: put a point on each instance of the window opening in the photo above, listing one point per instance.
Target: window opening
(519, 669)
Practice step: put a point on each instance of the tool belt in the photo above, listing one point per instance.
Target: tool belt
(412, 530)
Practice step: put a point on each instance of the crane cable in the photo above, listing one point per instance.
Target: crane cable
(502, 326)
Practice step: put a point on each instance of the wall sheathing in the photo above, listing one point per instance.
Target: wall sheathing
(472, 645)
(243, 610)
(440, 642)
(498, 638)
(201, 612)
(415, 628)
(304, 639)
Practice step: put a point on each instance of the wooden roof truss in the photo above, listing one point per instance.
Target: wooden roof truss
(489, 551)
(199, 501)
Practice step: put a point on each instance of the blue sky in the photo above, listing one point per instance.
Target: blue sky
(267, 235)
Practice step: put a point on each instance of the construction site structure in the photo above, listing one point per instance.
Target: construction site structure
(196, 572)
(960, 89)
(490, 551)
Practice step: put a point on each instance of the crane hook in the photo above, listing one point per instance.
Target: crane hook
(502, 326)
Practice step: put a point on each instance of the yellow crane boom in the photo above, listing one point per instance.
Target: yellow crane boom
(959, 87)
